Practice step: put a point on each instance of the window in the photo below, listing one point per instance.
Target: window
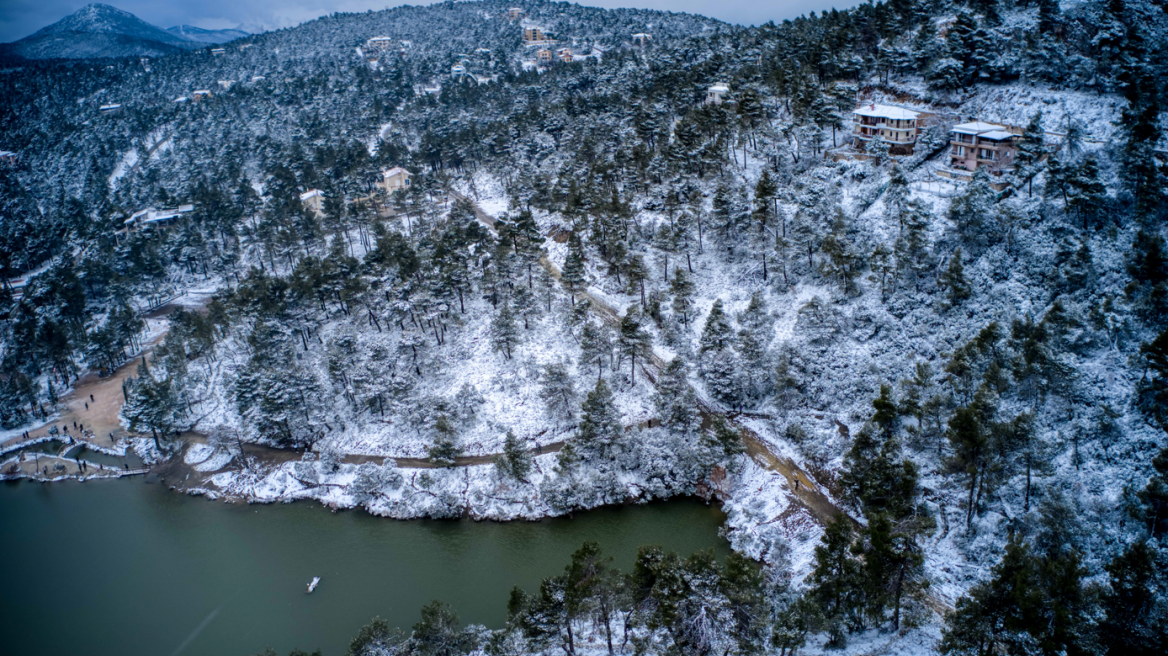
(985, 154)
(959, 151)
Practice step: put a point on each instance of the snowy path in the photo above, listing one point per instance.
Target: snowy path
(801, 485)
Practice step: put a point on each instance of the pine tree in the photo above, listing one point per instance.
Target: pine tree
(967, 434)
(1035, 603)
(600, 429)
(1031, 150)
(836, 583)
(682, 288)
(445, 449)
(504, 335)
(633, 341)
(515, 461)
(953, 279)
(764, 198)
(438, 634)
(1148, 268)
(1048, 16)
(557, 389)
(717, 334)
(592, 588)
(525, 306)
(1136, 612)
(595, 346)
(973, 210)
(1087, 193)
(573, 276)
(675, 399)
(1154, 497)
(637, 274)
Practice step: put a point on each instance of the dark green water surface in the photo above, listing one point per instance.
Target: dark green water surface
(128, 567)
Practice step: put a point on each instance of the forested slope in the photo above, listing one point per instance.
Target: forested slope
(605, 280)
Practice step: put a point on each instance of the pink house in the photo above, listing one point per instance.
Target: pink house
(976, 144)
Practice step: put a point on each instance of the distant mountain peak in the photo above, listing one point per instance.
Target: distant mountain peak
(97, 18)
(98, 30)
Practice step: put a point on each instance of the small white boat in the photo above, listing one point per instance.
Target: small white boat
(314, 583)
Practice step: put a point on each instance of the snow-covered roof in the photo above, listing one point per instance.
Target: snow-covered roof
(181, 99)
(311, 193)
(886, 111)
(151, 215)
(161, 215)
(996, 135)
(720, 88)
(380, 38)
(7, 153)
(202, 92)
(106, 108)
(976, 127)
(397, 170)
(642, 35)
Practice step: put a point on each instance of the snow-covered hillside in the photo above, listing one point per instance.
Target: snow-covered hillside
(909, 391)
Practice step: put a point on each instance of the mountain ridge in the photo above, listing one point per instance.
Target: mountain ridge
(103, 31)
(201, 35)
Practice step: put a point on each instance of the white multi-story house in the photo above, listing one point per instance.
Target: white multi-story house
(895, 126)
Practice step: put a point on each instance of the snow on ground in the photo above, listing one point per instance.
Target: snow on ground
(124, 166)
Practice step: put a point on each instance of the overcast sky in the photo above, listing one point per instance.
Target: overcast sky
(20, 18)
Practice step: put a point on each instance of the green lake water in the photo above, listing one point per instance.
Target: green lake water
(128, 567)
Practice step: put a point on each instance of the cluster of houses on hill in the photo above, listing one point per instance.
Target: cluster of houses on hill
(392, 180)
(972, 145)
(378, 47)
(152, 219)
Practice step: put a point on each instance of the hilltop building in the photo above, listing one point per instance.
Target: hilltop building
(543, 56)
(640, 38)
(378, 44)
(218, 51)
(7, 157)
(199, 94)
(394, 179)
(897, 127)
(714, 95)
(515, 13)
(313, 201)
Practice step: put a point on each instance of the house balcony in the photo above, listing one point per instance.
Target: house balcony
(907, 139)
